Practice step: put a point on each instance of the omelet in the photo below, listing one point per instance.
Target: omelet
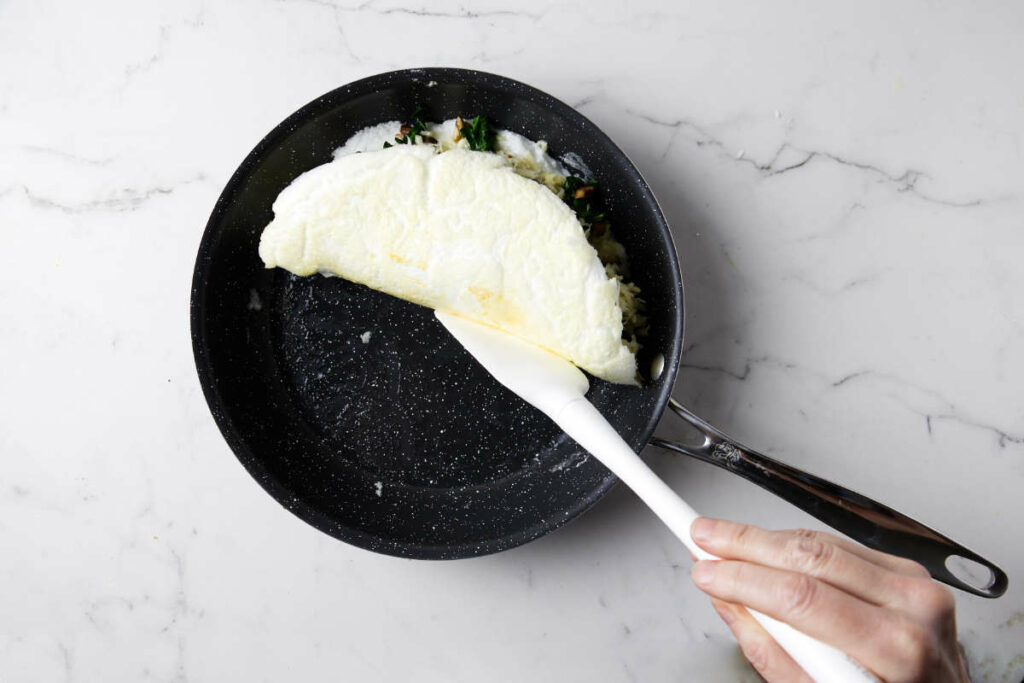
(461, 232)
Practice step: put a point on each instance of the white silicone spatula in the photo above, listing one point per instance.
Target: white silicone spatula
(558, 389)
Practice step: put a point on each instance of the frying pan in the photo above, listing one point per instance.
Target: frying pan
(362, 416)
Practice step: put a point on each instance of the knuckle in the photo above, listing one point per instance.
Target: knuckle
(757, 651)
(912, 645)
(799, 594)
(912, 568)
(914, 638)
(937, 601)
(741, 537)
(810, 555)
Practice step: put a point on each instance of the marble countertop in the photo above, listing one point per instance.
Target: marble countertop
(845, 183)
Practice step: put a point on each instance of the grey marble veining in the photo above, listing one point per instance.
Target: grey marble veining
(846, 186)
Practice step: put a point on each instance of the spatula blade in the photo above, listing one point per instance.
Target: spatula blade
(544, 380)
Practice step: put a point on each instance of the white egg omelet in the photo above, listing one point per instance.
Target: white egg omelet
(459, 232)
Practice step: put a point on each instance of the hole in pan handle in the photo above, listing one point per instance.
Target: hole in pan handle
(862, 519)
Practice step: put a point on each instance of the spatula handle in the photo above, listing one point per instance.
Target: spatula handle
(582, 421)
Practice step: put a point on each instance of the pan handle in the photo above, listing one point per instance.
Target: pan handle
(862, 519)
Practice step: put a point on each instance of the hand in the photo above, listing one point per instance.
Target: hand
(884, 611)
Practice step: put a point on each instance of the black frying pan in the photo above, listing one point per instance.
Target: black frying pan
(403, 444)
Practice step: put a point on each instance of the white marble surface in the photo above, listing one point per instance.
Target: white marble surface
(846, 186)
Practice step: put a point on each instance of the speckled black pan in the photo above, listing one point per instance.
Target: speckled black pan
(403, 444)
(361, 415)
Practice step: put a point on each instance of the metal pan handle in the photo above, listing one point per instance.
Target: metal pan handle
(862, 519)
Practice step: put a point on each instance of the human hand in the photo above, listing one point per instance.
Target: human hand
(884, 611)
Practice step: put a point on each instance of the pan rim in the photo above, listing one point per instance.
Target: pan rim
(253, 463)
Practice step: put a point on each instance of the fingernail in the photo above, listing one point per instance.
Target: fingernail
(724, 611)
(702, 529)
(704, 573)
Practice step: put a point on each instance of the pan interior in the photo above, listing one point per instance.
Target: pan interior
(358, 411)
(387, 389)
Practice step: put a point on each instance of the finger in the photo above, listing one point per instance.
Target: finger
(929, 602)
(760, 649)
(808, 553)
(811, 606)
(721, 537)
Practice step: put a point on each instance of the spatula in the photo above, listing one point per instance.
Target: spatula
(558, 389)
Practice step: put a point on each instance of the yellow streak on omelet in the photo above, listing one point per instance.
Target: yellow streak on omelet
(459, 232)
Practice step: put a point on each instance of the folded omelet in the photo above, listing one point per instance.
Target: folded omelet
(460, 232)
